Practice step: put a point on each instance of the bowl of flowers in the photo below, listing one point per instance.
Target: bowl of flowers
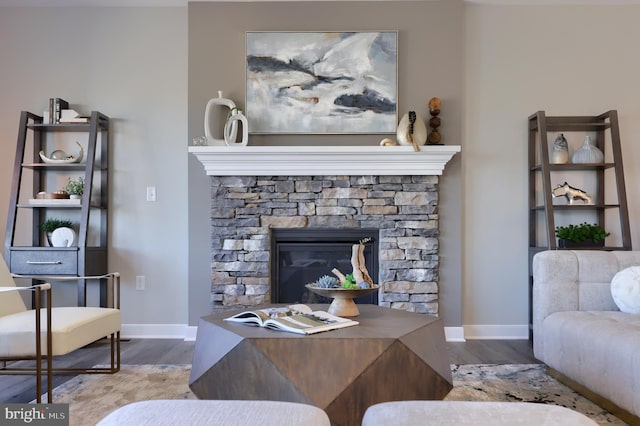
(343, 290)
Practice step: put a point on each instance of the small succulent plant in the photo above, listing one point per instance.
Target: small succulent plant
(350, 282)
(327, 281)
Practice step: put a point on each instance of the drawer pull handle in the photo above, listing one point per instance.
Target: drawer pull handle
(53, 262)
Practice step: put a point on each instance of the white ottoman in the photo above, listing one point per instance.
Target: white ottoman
(220, 413)
(454, 413)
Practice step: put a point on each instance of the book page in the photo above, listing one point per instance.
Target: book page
(259, 316)
(309, 323)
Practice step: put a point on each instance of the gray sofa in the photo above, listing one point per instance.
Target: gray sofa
(579, 331)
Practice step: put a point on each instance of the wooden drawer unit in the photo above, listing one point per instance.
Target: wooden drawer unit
(44, 262)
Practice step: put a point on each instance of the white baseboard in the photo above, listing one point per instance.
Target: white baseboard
(158, 331)
(191, 332)
(454, 334)
(496, 332)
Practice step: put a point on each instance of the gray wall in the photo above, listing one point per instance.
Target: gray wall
(430, 64)
(153, 69)
(130, 64)
(566, 60)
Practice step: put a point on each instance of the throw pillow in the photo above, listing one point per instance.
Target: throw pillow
(625, 290)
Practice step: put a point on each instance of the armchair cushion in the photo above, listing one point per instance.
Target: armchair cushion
(73, 327)
(10, 302)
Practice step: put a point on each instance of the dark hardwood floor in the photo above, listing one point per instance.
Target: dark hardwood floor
(19, 389)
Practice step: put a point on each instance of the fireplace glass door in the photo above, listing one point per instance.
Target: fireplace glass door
(301, 256)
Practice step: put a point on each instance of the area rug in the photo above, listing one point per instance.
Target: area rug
(521, 383)
(91, 397)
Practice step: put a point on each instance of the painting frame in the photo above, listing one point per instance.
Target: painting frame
(321, 82)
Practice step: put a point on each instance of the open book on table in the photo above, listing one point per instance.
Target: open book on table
(294, 318)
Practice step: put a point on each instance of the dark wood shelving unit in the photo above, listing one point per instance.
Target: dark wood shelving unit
(541, 171)
(543, 212)
(88, 257)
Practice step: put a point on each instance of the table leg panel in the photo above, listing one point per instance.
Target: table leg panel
(398, 374)
(322, 368)
(246, 373)
(428, 342)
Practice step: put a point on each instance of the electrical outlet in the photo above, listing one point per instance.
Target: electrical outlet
(140, 282)
(151, 193)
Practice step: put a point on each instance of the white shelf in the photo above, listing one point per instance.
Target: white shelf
(54, 202)
(323, 160)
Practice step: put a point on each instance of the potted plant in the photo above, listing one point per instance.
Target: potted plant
(582, 235)
(51, 224)
(75, 187)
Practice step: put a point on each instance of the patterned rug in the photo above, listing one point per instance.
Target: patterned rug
(91, 397)
(521, 383)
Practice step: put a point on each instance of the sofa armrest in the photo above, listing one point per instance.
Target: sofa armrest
(555, 288)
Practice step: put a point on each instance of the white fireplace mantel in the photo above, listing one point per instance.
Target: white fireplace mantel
(323, 160)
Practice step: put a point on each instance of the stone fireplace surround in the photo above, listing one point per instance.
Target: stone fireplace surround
(393, 189)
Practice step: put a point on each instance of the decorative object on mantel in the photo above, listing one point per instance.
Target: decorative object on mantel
(213, 108)
(388, 142)
(60, 157)
(587, 153)
(434, 122)
(412, 131)
(231, 126)
(571, 194)
(317, 82)
(560, 153)
(200, 141)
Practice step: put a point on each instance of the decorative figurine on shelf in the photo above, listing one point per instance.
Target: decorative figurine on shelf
(412, 131)
(434, 122)
(571, 194)
(60, 157)
(560, 153)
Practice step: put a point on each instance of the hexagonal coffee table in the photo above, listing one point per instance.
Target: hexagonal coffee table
(391, 355)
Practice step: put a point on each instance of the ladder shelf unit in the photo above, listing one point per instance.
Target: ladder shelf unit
(26, 250)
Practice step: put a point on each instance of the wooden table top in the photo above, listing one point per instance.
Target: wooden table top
(374, 322)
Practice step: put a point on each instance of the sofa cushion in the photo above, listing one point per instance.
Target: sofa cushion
(625, 290)
(216, 413)
(456, 413)
(598, 349)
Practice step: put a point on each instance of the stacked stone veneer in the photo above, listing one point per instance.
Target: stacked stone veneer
(404, 209)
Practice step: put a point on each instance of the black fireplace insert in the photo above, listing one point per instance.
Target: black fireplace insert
(301, 256)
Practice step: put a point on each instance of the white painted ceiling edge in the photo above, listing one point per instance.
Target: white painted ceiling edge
(174, 3)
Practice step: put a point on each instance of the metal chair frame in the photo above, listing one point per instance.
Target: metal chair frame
(44, 362)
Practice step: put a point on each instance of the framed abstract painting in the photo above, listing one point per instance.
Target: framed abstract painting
(322, 82)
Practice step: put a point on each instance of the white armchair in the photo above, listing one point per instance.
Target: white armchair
(71, 328)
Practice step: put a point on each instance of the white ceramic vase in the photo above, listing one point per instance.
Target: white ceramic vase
(406, 136)
(211, 112)
(587, 153)
(231, 127)
(560, 153)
